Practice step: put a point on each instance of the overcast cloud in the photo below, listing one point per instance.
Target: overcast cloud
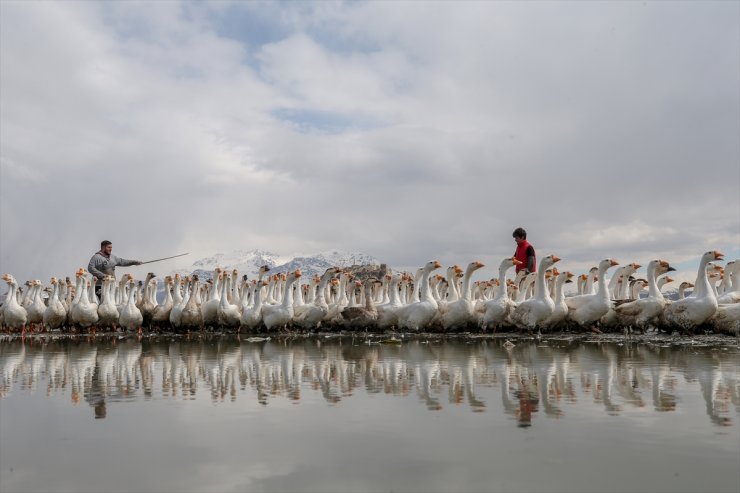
(406, 130)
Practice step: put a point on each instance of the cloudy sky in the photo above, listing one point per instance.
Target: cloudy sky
(406, 130)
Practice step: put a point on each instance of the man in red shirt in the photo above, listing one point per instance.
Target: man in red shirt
(524, 251)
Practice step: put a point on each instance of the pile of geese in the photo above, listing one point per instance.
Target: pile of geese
(426, 301)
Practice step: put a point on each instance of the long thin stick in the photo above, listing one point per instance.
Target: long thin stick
(160, 259)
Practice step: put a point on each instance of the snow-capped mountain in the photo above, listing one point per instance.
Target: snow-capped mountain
(249, 262)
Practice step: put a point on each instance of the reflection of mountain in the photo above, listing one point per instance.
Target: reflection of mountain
(528, 380)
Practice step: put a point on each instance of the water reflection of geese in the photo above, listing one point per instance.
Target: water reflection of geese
(471, 368)
(663, 386)
(394, 375)
(224, 365)
(607, 377)
(550, 388)
(626, 378)
(506, 382)
(427, 373)
(32, 366)
(12, 355)
(105, 359)
(81, 367)
(715, 395)
(531, 377)
(455, 385)
(127, 359)
(56, 366)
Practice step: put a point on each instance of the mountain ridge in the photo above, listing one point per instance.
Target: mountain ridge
(249, 261)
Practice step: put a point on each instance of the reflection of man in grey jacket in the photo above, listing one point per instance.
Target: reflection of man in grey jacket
(104, 263)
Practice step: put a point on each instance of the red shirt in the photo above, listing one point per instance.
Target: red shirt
(523, 251)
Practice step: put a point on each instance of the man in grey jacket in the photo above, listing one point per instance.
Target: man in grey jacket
(104, 263)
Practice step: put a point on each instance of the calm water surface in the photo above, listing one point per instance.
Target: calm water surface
(342, 414)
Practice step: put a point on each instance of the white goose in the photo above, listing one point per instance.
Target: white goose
(280, 315)
(107, 311)
(732, 293)
(589, 308)
(688, 313)
(131, 317)
(535, 310)
(149, 301)
(590, 279)
(388, 313)
(417, 315)
(726, 319)
(209, 309)
(191, 316)
(644, 312)
(524, 283)
(55, 315)
(179, 300)
(682, 289)
(560, 309)
(460, 313)
(252, 315)
(663, 280)
(362, 317)
(162, 312)
(309, 316)
(14, 315)
(86, 314)
(498, 310)
(36, 307)
(227, 313)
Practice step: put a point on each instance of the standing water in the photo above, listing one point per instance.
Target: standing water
(354, 414)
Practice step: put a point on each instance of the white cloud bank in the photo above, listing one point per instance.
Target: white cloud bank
(407, 130)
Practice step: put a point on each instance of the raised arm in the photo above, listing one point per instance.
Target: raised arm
(125, 262)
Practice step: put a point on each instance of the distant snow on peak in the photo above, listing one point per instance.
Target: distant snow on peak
(249, 261)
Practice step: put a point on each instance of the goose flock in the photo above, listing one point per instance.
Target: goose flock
(425, 301)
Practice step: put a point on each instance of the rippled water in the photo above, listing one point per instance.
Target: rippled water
(344, 414)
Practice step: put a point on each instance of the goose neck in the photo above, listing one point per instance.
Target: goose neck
(466, 291)
(653, 289)
(540, 289)
(702, 286)
(288, 293)
(601, 282)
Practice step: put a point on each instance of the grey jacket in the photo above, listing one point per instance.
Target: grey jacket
(101, 266)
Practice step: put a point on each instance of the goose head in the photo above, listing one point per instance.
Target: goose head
(607, 263)
(549, 261)
(662, 267)
(712, 255)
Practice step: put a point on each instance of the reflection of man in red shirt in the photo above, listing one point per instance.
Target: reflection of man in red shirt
(528, 403)
(524, 251)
